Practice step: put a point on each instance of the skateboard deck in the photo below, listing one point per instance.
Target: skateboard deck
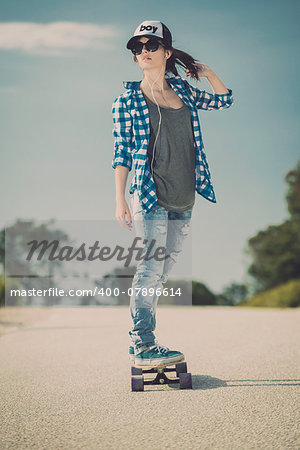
(162, 366)
(139, 380)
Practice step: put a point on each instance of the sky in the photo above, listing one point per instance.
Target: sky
(62, 65)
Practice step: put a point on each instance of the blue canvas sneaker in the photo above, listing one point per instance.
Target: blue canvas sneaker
(157, 356)
(131, 354)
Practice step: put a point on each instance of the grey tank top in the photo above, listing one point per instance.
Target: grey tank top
(174, 156)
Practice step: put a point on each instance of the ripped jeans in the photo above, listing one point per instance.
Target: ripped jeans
(167, 229)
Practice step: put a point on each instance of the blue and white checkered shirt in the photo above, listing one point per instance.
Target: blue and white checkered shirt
(131, 132)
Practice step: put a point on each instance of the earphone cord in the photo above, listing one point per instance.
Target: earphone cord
(159, 117)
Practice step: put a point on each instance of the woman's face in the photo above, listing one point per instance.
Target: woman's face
(151, 60)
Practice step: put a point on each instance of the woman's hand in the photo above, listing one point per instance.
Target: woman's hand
(122, 210)
(202, 69)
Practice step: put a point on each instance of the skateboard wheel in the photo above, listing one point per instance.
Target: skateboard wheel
(185, 380)
(137, 383)
(181, 368)
(136, 371)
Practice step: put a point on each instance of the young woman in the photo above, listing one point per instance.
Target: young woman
(156, 128)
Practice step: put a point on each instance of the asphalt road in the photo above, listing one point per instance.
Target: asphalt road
(65, 382)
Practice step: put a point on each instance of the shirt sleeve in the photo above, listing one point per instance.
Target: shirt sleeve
(122, 133)
(208, 101)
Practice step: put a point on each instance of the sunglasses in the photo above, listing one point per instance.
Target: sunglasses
(151, 45)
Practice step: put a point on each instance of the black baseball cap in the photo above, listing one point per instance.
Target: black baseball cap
(153, 29)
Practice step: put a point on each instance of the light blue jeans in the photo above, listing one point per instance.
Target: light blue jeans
(166, 229)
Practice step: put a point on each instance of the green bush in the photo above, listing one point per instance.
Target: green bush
(201, 295)
(286, 295)
(5, 285)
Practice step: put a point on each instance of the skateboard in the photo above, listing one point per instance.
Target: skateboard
(138, 381)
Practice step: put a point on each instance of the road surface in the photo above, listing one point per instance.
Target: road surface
(65, 381)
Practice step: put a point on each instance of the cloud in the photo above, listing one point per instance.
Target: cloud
(56, 37)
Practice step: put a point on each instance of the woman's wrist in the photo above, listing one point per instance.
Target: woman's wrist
(120, 197)
(216, 83)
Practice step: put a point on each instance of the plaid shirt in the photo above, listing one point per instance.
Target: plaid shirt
(131, 132)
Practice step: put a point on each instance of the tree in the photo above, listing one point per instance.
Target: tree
(14, 250)
(293, 193)
(233, 294)
(276, 250)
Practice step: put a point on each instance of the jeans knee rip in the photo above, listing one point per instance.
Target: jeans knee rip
(185, 229)
(162, 228)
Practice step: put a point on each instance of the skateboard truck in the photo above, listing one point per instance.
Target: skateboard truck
(138, 380)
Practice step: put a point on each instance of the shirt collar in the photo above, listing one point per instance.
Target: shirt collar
(135, 85)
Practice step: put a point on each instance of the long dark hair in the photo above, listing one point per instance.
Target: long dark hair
(181, 59)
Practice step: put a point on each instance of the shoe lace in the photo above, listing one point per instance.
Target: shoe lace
(162, 349)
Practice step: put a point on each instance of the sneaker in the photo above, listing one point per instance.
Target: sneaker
(157, 356)
(131, 354)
